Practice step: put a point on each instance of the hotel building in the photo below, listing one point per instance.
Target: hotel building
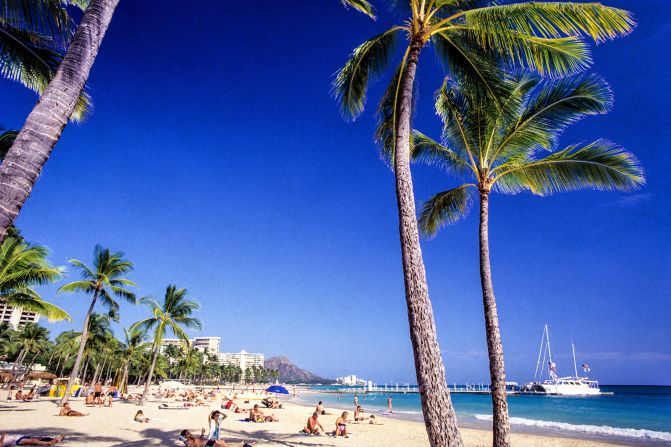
(17, 318)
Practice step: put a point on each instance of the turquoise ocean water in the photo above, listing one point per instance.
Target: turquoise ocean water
(635, 415)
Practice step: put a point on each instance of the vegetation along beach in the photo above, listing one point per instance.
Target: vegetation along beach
(348, 222)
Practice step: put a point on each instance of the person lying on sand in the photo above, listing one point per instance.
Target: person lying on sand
(341, 425)
(7, 440)
(313, 426)
(256, 415)
(67, 411)
(190, 440)
(139, 417)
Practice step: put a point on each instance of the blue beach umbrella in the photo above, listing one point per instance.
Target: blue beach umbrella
(277, 389)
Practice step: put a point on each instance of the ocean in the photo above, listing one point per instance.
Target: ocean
(635, 415)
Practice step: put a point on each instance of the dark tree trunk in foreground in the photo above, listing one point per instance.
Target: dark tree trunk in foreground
(40, 133)
(439, 416)
(80, 353)
(497, 371)
(145, 393)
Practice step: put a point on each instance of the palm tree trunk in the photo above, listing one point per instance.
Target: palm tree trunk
(123, 386)
(82, 343)
(149, 376)
(86, 369)
(42, 129)
(497, 371)
(439, 417)
(17, 363)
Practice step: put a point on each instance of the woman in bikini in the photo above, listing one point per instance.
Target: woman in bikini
(67, 411)
(341, 425)
(8, 440)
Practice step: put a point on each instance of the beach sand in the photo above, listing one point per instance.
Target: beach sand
(115, 427)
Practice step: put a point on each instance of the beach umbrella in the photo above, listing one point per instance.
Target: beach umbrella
(277, 389)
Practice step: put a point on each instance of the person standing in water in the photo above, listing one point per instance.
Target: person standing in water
(389, 404)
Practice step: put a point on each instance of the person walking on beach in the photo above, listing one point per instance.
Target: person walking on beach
(389, 404)
(97, 394)
(356, 401)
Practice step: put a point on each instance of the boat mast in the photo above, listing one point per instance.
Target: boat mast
(538, 362)
(553, 374)
(575, 366)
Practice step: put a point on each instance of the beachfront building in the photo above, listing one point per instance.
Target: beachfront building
(350, 381)
(209, 345)
(172, 342)
(17, 318)
(243, 359)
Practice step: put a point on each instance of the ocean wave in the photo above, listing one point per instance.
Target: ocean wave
(593, 429)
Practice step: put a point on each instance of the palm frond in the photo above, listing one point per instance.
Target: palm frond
(600, 165)
(362, 6)
(6, 140)
(76, 286)
(367, 62)
(446, 208)
(429, 151)
(554, 19)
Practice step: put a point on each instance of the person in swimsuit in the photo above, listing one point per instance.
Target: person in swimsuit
(313, 426)
(320, 408)
(8, 440)
(97, 393)
(256, 415)
(139, 417)
(341, 425)
(191, 440)
(110, 395)
(67, 411)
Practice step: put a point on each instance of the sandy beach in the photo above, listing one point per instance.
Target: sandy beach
(114, 426)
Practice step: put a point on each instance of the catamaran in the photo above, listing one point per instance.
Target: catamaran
(559, 386)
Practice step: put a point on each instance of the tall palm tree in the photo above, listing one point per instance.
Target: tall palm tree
(42, 129)
(174, 314)
(33, 38)
(30, 339)
(22, 267)
(470, 39)
(134, 344)
(103, 281)
(509, 150)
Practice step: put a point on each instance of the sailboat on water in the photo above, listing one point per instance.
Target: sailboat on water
(554, 385)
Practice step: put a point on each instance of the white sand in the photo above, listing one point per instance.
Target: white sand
(115, 427)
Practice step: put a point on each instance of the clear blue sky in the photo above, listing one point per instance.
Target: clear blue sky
(217, 160)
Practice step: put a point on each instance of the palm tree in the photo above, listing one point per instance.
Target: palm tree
(102, 281)
(135, 343)
(30, 339)
(362, 6)
(174, 314)
(501, 149)
(42, 129)
(22, 267)
(470, 40)
(33, 38)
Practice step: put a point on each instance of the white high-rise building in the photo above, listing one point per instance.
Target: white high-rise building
(17, 318)
(207, 344)
(243, 359)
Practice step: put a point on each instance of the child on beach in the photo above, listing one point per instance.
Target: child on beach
(341, 425)
(139, 417)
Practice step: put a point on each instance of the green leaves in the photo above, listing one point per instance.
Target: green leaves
(361, 6)
(368, 61)
(446, 208)
(600, 165)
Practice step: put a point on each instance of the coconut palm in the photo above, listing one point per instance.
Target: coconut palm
(33, 38)
(134, 344)
(42, 129)
(361, 6)
(174, 314)
(513, 149)
(470, 39)
(103, 281)
(22, 267)
(29, 339)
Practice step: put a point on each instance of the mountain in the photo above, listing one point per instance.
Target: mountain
(290, 373)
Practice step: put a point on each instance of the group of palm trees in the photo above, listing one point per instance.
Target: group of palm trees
(514, 81)
(139, 356)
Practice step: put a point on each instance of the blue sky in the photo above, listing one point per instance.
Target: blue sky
(217, 160)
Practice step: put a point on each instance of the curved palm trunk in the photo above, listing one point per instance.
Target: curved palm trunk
(439, 416)
(149, 376)
(497, 371)
(33, 145)
(123, 386)
(80, 353)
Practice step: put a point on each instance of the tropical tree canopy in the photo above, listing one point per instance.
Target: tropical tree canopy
(33, 38)
(22, 267)
(514, 148)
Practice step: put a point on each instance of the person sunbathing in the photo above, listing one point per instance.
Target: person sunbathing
(256, 415)
(139, 417)
(190, 440)
(358, 414)
(19, 395)
(89, 400)
(320, 408)
(67, 411)
(7, 440)
(313, 426)
(341, 425)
